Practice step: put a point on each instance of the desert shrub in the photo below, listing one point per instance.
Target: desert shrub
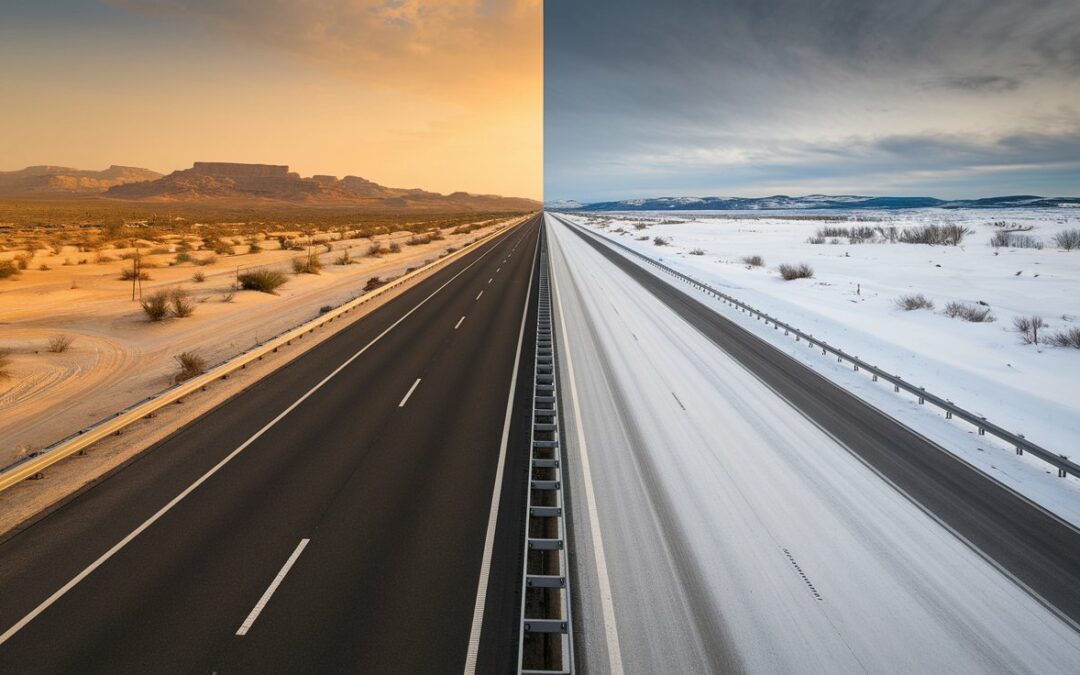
(199, 277)
(156, 305)
(44, 268)
(221, 247)
(935, 235)
(1003, 239)
(103, 258)
(375, 249)
(5, 363)
(127, 274)
(254, 247)
(264, 281)
(59, 344)
(754, 261)
(344, 258)
(8, 269)
(640, 226)
(159, 250)
(183, 257)
(373, 283)
(972, 313)
(1068, 239)
(1028, 328)
(660, 241)
(324, 309)
(191, 365)
(419, 239)
(182, 305)
(800, 271)
(915, 301)
(229, 294)
(1070, 337)
(815, 240)
(395, 247)
(307, 265)
(697, 251)
(208, 260)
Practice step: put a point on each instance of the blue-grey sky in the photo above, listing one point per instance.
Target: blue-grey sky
(946, 98)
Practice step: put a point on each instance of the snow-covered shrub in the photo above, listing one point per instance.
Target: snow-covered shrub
(941, 235)
(697, 251)
(1028, 328)
(754, 261)
(972, 313)
(1070, 337)
(1068, 239)
(800, 271)
(1004, 239)
(660, 241)
(815, 240)
(914, 301)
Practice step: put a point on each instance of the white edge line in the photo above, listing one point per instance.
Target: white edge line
(7, 635)
(258, 608)
(409, 393)
(611, 631)
(473, 650)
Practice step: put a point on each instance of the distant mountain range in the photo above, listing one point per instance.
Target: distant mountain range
(814, 202)
(62, 181)
(243, 185)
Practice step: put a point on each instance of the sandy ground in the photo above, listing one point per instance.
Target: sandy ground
(117, 357)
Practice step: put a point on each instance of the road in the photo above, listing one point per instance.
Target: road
(332, 518)
(753, 517)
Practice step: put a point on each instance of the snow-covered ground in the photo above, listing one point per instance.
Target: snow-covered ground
(738, 535)
(850, 303)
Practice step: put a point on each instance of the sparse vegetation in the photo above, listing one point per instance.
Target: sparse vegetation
(156, 305)
(972, 313)
(1028, 328)
(199, 277)
(1070, 337)
(697, 251)
(395, 247)
(191, 365)
(660, 241)
(913, 302)
(129, 274)
(1068, 239)
(344, 258)
(59, 344)
(307, 265)
(1006, 239)
(8, 269)
(936, 235)
(373, 283)
(799, 271)
(5, 363)
(264, 281)
(754, 261)
(182, 306)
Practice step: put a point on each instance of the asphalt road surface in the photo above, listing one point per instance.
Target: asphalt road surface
(332, 518)
(754, 516)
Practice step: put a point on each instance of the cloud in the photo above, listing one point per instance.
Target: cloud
(451, 49)
(976, 83)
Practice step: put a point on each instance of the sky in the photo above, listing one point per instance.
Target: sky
(444, 95)
(943, 98)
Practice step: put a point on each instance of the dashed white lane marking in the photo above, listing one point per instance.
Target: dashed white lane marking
(491, 279)
(409, 393)
(479, 294)
(459, 322)
(250, 620)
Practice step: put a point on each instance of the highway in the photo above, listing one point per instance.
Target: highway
(734, 511)
(335, 517)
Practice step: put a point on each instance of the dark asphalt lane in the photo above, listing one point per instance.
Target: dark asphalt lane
(1039, 550)
(394, 500)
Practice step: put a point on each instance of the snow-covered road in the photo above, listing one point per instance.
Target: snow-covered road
(739, 535)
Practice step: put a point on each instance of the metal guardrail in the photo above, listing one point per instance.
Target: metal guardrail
(545, 642)
(1062, 462)
(34, 465)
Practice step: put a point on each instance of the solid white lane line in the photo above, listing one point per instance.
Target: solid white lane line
(611, 632)
(217, 467)
(409, 393)
(459, 322)
(493, 514)
(255, 611)
(479, 294)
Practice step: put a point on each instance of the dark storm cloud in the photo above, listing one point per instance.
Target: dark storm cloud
(643, 94)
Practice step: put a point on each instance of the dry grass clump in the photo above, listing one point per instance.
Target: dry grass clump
(129, 274)
(395, 247)
(344, 258)
(935, 235)
(913, 302)
(307, 265)
(1028, 328)
(972, 313)
(660, 241)
(8, 269)
(1006, 239)
(208, 260)
(182, 306)
(800, 271)
(754, 261)
(697, 251)
(264, 281)
(191, 365)
(373, 283)
(59, 344)
(1070, 337)
(156, 305)
(199, 277)
(1068, 239)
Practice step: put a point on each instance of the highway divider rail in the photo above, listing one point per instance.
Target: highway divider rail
(545, 642)
(1062, 462)
(33, 466)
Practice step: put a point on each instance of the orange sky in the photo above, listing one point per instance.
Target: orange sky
(440, 94)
